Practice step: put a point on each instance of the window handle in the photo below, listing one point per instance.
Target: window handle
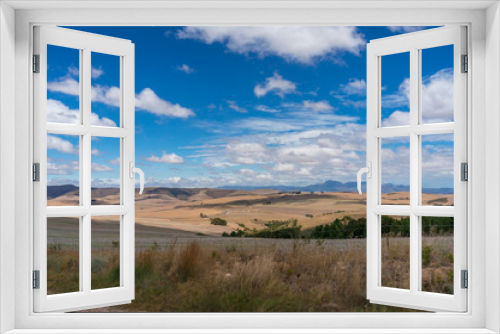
(368, 171)
(139, 171)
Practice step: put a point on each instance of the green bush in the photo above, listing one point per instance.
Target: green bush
(426, 255)
(218, 221)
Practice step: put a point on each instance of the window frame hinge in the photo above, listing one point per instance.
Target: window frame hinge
(36, 279)
(36, 172)
(465, 63)
(464, 171)
(36, 63)
(464, 279)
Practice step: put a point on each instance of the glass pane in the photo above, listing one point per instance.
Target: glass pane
(105, 171)
(63, 85)
(63, 170)
(395, 264)
(437, 254)
(395, 94)
(105, 252)
(105, 90)
(437, 84)
(63, 255)
(437, 170)
(395, 168)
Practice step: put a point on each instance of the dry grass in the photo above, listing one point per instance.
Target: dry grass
(306, 277)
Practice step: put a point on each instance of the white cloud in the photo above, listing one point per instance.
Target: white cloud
(321, 106)
(284, 167)
(246, 171)
(166, 158)
(348, 94)
(296, 118)
(401, 98)
(264, 108)
(397, 118)
(65, 85)
(61, 145)
(58, 112)
(96, 72)
(96, 167)
(105, 183)
(147, 100)
(437, 100)
(61, 168)
(233, 105)
(115, 161)
(405, 29)
(106, 95)
(275, 84)
(95, 151)
(306, 44)
(437, 97)
(96, 121)
(354, 87)
(396, 164)
(185, 68)
(246, 153)
(308, 154)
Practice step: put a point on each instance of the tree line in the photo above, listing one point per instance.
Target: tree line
(351, 228)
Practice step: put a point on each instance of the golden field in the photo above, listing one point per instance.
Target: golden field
(176, 212)
(184, 265)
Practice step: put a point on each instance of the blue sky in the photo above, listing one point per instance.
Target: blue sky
(219, 106)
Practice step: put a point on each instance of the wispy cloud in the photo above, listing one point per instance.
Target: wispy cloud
(405, 29)
(185, 68)
(276, 85)
(166, 158)
(320, 106)
(97, 167)
(61, 145)
(96, 72)
(233, 105)
(267, 109)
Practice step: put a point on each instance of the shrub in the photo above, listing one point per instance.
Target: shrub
(426, 255)
(218, 221)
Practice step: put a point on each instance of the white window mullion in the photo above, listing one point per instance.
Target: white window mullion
(373, 187)
(128, 183)
(86, 163)
(414, 169)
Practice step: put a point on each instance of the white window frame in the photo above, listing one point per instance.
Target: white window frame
(484, 48)
(85, 44)
(413, 43)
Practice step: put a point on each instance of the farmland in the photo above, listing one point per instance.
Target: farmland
(183, 264)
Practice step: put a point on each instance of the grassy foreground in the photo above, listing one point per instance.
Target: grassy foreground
(306, 276)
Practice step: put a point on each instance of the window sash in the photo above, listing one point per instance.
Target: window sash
(413, 43)
(87, 43)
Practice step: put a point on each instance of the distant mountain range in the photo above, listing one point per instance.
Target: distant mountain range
(327, 186)
(336, 186)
